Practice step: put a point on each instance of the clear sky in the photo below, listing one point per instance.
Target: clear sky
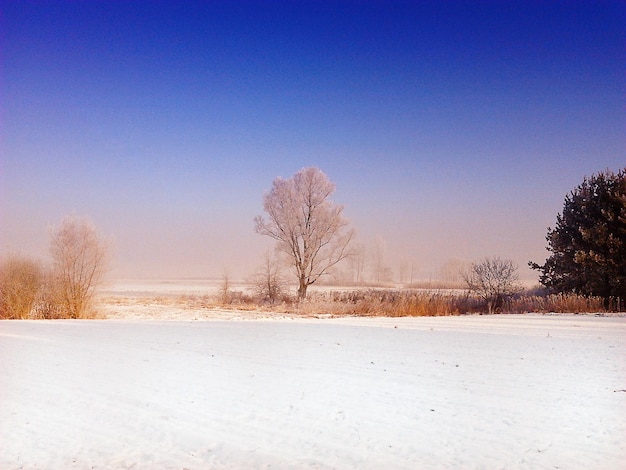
(453, 130)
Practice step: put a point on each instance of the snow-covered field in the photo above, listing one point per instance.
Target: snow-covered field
(163, 287)
(375, 393)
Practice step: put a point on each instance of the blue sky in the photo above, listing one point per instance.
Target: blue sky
(453, 130)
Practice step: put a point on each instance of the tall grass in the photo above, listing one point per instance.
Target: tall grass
(557, 303)
(388, 303)
(391, 303)
(414, 303)
(402, 303)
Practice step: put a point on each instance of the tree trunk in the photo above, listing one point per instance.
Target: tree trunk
(302, 289)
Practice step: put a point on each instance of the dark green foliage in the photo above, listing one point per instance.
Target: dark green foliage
(588, 244)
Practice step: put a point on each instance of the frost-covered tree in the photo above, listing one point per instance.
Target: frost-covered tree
(588, 244)
(79, 260)
(308, 227)
(494, 280)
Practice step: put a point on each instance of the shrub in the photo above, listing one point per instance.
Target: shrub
(20, 282)
(79, 261)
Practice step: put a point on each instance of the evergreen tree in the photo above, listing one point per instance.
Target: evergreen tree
(588, 244)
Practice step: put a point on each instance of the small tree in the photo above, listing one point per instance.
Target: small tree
(494, 280)
(588, 244)
(79, 262)
(268, 280)
(225, 294)
(308, 227)
(21, 280)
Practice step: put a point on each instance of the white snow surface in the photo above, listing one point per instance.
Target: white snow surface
(518, 391)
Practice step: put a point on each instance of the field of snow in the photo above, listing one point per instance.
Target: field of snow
(164, 287)
(532, 391)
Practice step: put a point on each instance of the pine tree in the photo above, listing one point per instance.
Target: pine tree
(588, 244)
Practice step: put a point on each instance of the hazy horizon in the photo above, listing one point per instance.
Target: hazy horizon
(452, 130)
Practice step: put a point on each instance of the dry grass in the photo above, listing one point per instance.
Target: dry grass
(413, 303)
(384, 302)
(557, 303)
(365, 302)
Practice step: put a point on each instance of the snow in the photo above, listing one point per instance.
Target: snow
(518, 391)
(163, 287)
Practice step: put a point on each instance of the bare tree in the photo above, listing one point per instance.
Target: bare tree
(357, 263)
(494, 280)
(309, 228)
(382, 273)
(20, 282)
(378, 254)
(412, 275)
(268, 280)
(79, 262)
(407, 272)
(225, 295)
(452, 272)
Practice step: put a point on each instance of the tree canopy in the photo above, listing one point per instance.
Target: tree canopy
(588, 244)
